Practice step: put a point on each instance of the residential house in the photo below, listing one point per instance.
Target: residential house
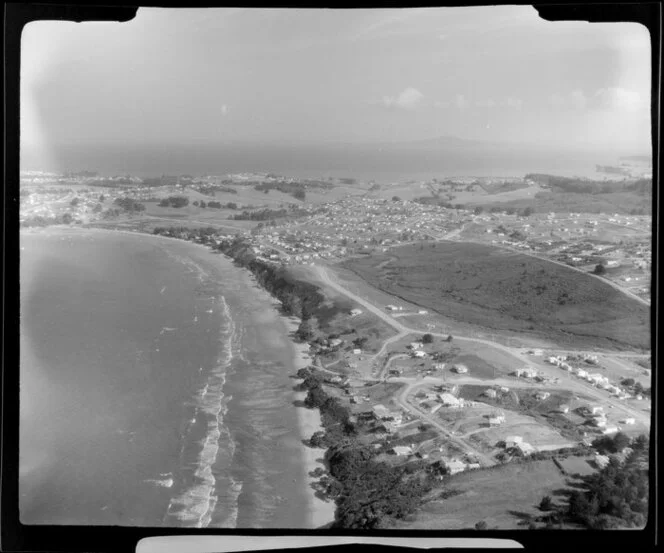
(496, 420)
(357, 351)
(563, 408)
(489, 392)
(402, 450)
(610, 430)
(460, 369)
(419, 354)
(629, 420)
(542, 395)
(416, 345)
(525, 448)
(512, 441)
(355, 312)
(453, 466)
(448, 400)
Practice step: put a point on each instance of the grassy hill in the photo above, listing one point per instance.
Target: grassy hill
(501, 290)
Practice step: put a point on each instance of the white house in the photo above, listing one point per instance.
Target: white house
(452, 466)
(439, 366)
(460, 369)
(355, 312)
(357, 351)
(610, 430)
(564, 408)
(449, 400)
(512, 441)
(581, 373)
(416, 345)
(422, 312)
(489, 392)
(601, 461)
(419, 354)
(525, 448)
(542, 395)
(402, 450)
(496, 420)
(629, 420)
(380, 411)
(595, 409)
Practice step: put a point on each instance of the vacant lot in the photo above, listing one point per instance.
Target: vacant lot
(500, 496)
(503, 290)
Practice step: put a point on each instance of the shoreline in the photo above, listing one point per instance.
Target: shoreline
(322, 511)
(319, 512)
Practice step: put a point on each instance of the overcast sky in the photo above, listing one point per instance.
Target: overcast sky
(212, 75)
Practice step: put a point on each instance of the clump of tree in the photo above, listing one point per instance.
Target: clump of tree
(427, 338)
(129, 204)
(74, 202)
(599, 269)
(174, 201)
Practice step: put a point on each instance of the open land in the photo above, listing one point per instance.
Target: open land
(502, 289)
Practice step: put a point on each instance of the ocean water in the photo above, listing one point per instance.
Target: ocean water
(384, 165)
(155, 388)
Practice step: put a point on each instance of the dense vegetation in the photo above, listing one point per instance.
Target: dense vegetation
(174, 201)
(616, 496)
(267, 214)
(129, 204)
(367, 492)
(41, 221)
(295, 189)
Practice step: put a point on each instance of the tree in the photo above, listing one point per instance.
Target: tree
(528, 212)
(74, 202)
(479, 209)
(481, 525)
(628, 382)
(396, 199)
(600, 269)
(427, 338)
(202, 204)
(101, 198)
(196, 204)
(546, 504)
(67, 219)
(309, 329)
(449, 338)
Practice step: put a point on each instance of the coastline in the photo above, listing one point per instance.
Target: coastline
(320, 512)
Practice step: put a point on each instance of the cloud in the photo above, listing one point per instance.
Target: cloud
(409, 99)
(489, 103)
(460, 101)
(572, 100)
(617, 99)
(224, 110)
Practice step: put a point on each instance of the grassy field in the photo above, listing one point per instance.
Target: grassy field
(502, 497)
(502, 290)
(616, 202)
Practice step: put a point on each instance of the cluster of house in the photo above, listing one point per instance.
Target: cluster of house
(445, 464)
(595, 379)
(596, 417)
(441, 396)
(516, 443)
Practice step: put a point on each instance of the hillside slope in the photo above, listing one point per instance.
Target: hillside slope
(501, 290)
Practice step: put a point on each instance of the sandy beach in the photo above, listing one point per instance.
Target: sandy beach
(322, 512)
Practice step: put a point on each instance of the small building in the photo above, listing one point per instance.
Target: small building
(504, 389)
(512, 441)
(355, 312)
(357, 351)
(448, 400)
(628, 420)
(542, 395)
(525, 448)
(380, 411)
(439, 366)
(596, 409)
(581, 373)
(453, 466)
(460, 369)
(563, 408)
(496, 420)
(601, 461)
(489, 392)
(335, 342)
(610, 430)
(473, 466)
(419, 354)
(416, 345)
(402, 450)
(422, 312)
